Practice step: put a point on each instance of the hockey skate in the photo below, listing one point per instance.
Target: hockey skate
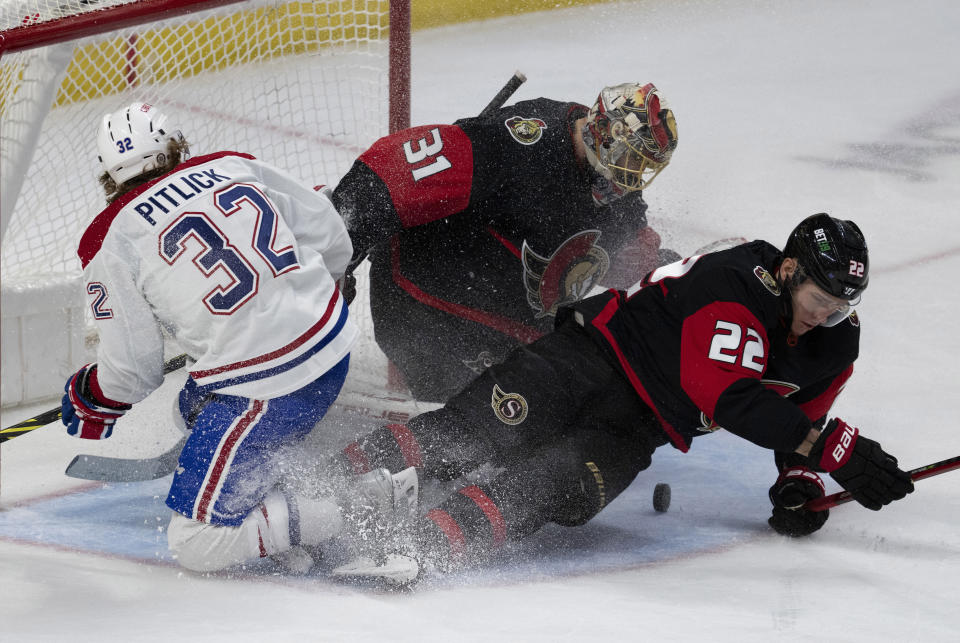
(380, 516)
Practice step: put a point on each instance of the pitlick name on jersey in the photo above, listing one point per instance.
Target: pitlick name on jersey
(171, 194)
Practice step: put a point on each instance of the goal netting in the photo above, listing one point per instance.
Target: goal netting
(306, 86)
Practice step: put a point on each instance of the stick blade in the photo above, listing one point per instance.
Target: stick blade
(105, 469)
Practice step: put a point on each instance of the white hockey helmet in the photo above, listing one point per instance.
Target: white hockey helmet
(630, 135)
(134, 140)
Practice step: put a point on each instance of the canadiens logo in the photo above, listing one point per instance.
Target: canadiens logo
(785, 389)
(525, 130)
(510, 408)
(565, 276)
(767, 280)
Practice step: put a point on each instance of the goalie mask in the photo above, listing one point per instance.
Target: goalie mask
(135, 140)
(629, 136)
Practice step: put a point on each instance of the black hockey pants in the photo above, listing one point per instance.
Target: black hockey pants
(562, 427)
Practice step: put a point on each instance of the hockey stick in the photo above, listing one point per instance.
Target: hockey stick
(919, 473)
(376, 408)
(107, 469)
(51, 416)
(505, 92)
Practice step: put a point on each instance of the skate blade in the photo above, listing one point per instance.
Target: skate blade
(395, 571)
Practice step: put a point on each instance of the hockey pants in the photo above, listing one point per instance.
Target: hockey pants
(562, 428)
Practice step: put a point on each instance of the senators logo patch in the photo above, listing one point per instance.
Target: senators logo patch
(525, 130)
(565, 276)
(510, 408)
(853, 318)
(767, 280)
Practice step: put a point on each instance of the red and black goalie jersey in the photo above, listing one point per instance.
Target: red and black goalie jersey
(488, 219)
(704, 343)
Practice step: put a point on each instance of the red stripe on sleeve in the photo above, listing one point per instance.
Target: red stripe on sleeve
(820, 405)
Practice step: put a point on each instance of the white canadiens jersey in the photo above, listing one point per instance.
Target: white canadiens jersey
(237, 260)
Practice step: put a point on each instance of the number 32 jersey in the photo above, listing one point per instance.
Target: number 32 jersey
(237, 260)
(705, 344)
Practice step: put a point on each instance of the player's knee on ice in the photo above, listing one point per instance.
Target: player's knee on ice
(270, 528)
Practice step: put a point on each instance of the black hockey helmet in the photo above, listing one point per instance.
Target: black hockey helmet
(833, 253)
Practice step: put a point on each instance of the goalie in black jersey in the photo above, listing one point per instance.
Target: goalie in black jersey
(479, 231)
(751, 339)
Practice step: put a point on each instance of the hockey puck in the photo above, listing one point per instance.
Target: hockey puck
(661, 496)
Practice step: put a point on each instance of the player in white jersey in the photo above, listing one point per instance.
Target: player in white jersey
(238, 261)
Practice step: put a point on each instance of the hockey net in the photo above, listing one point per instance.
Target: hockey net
(306, 86)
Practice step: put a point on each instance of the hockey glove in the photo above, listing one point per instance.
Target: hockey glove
(85, 411)
(795, 487)
(869, 473)
(348, 285)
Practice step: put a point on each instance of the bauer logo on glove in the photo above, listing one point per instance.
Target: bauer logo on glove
(85, 411)
(860, 465)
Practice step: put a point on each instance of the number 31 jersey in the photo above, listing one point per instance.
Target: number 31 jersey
(705, 343)
(237, 260)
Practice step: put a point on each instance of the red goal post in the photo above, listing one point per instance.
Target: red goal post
(304, 85)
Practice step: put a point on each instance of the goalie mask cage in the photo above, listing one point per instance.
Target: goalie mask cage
(306, 86)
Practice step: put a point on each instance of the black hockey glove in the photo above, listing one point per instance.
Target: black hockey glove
(348, 285)
(869, 473)
(795, 487)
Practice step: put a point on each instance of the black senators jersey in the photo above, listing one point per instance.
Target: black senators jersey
(704, 344)
(489, 219)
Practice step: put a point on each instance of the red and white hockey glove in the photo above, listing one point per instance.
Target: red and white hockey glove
(869, 473)
(85, 410)
(795, 486)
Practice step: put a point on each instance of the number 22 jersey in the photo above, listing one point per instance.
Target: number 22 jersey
(705, 343)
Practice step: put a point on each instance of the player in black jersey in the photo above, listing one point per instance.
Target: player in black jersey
(479, 231)
(751, 339)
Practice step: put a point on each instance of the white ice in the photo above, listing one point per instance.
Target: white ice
(784, 109)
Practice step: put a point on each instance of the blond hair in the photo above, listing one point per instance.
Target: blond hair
(177, 150)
